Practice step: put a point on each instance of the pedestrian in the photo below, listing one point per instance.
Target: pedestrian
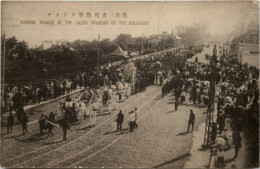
(194, 95)
(50, 126)
(132, 121)
(65, 126)
(42, 123)
(80, 115)
(135, 112)
(19, 113)
(196, 59)
(191, 120)
(24, 121)
(10, 122)
(176, 102)
(119, 120)
(93, 118)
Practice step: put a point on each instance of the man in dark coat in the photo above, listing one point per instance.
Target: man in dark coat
(176, 103)
(50, 126)
(119, 120)
(10, 122)
(191, 120)
(42, 123)
(19, 113)
(65, 126)
(17, 100)
(24, 121)
(194, 94)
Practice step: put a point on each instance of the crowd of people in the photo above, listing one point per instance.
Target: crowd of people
(113, 85)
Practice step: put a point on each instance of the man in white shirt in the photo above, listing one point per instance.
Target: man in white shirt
(132, 121)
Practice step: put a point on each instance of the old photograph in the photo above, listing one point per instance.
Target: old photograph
(159, 84)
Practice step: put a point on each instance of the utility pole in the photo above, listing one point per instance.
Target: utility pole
(142, 47)
(158, 26)
(210, 111)
(98, 59)
(3, 85)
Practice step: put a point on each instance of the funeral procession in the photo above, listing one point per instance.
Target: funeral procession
(129, 84)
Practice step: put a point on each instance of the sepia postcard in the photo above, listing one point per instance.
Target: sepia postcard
(135, 84)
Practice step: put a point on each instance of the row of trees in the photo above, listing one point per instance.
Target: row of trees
(23, 64)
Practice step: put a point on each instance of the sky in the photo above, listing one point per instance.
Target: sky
(219, 17)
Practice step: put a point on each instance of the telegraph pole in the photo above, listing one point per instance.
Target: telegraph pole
(142, 47)
(4, 65)
(158, 26)
(3, 85)
(98, 59)
(210, 111)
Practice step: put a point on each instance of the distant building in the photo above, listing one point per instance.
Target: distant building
(252, 34)
(248, 53)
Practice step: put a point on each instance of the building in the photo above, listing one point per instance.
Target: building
(248, 53)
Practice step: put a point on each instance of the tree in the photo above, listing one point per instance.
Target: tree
(125, 41)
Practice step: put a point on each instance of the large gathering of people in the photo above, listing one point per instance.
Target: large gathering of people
(114, 83)
(237, 99)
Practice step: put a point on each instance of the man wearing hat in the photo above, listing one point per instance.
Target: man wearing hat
(24, 121)
(191, 120)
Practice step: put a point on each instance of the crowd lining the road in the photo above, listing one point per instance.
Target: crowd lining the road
(237, 103)
(111, 82)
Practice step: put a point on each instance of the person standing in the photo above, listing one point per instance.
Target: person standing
(119, 120)
(177, 95)
(19, 113)
(191, 120)
(92, 118)
(50, 126)
(10, 122)
(176, 102)
(194, 94)
(65, 126)
(42, 123)
(24, 121)
(132, 121)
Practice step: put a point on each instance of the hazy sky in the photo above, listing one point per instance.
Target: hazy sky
(220, 18)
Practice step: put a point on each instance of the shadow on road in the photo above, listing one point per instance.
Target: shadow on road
(84, 128)
(35, 137)
(171, 111)
(110, 132)
(173, 160)
(123, 132)
(10, 136)
(183, 133)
